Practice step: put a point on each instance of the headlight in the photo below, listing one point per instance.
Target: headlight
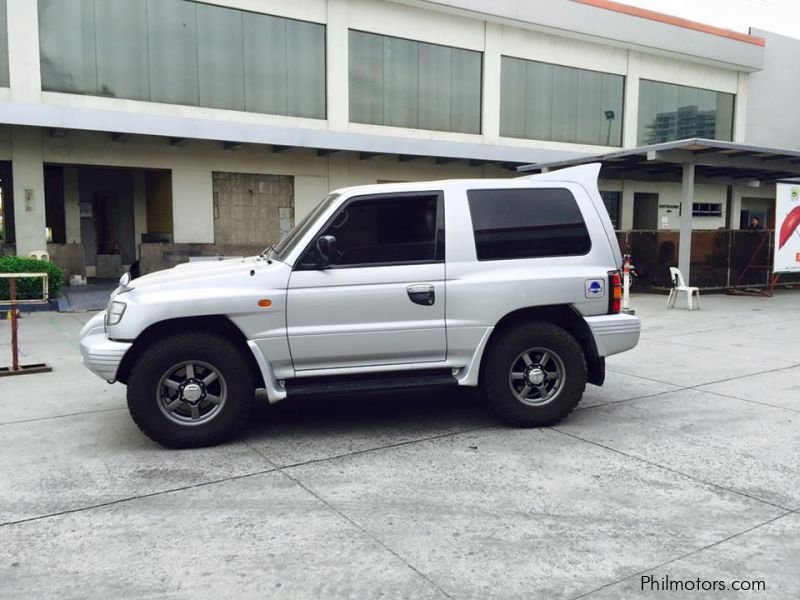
(114, 312)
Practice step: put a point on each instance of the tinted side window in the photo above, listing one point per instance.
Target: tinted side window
(531, 223)
(386, 229)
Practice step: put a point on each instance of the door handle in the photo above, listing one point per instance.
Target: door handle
(423, 294)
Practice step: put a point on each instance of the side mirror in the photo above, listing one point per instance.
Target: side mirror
(326, 247)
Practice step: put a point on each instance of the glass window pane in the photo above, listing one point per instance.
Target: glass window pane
(3, 45)
(673, 112)
(465, 99)
(121, 38)
(723, 126)
(305, 69)
(539, 101)
(220, 57)
(265, 60)
(611, 108)
(435, 87)
(401, 82)
(404, 83)
(66, 44)
(565, 106)
(589, 94)
(366, 78)
(560, 103)
(172, 27)
(533, 223)
(512, 101)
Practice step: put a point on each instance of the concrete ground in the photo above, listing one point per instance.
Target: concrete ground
(685, 465)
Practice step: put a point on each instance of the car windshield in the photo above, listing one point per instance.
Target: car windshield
(287, 244)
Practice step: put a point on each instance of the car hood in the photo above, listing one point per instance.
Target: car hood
(197, 271)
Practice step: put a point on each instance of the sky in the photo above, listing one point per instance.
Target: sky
(778, 16)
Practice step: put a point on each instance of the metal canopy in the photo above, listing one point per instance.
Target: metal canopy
(715, 162)
(689, 162)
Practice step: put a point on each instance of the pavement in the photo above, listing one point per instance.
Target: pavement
(684, 467)
(86, 298)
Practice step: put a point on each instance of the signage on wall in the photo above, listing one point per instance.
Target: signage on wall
(787, 228)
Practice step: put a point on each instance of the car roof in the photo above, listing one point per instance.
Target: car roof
(583, 174)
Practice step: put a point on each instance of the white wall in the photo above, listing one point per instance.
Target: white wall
(669, 196)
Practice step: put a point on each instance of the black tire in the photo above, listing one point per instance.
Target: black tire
(201, 350)
(506, 351)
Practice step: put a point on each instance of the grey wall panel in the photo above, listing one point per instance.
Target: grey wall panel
(773, 98)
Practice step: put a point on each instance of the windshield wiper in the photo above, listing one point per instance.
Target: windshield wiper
(267, 250)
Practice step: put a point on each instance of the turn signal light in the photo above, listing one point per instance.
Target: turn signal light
(265, 303)
(615, 297)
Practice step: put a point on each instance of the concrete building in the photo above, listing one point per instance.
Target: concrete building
(154, 130)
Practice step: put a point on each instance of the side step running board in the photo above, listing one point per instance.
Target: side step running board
(325, 386)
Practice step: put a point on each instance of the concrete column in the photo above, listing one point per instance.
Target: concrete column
(740, 108)
(338, 170)
(736, 207)
(72, 205)
(23, 51)
(338, 79)
(192, 204)
(27, 169)
(631, 103)
(685, 243)
(309, 191)
(139, 208)
(490, 117)
(626, 210)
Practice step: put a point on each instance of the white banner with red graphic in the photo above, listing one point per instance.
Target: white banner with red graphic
(787, 228)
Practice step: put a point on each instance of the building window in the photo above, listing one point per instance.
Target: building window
(706, 209)
(674, 112)
(403, 83)
(540, 101)
(532, 223)
(612, 201)
(183, 52)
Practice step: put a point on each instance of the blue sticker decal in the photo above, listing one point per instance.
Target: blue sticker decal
(595, 288)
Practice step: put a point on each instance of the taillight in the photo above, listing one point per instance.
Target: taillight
(615, 292)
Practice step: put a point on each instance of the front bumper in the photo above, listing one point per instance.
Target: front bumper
(614, 333)
(99, 354)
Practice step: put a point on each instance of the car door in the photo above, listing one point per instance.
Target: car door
(381, 300)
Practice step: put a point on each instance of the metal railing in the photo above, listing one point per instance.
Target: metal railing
(16, 368)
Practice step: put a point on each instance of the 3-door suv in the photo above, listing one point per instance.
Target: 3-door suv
(512, 285)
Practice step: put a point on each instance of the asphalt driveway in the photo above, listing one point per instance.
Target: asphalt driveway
(684, 467)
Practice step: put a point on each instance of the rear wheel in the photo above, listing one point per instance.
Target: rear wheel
(190, 390)
(534, 374)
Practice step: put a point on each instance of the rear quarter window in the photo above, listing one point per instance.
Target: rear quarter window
(527, 223)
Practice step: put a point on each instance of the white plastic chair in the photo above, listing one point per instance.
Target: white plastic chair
(679, 285)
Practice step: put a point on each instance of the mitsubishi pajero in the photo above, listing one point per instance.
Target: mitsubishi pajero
(511, 285)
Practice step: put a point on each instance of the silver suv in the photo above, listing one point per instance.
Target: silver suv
(511, 285)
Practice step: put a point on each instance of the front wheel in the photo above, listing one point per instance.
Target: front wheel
(190, 390)
(534, 374)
